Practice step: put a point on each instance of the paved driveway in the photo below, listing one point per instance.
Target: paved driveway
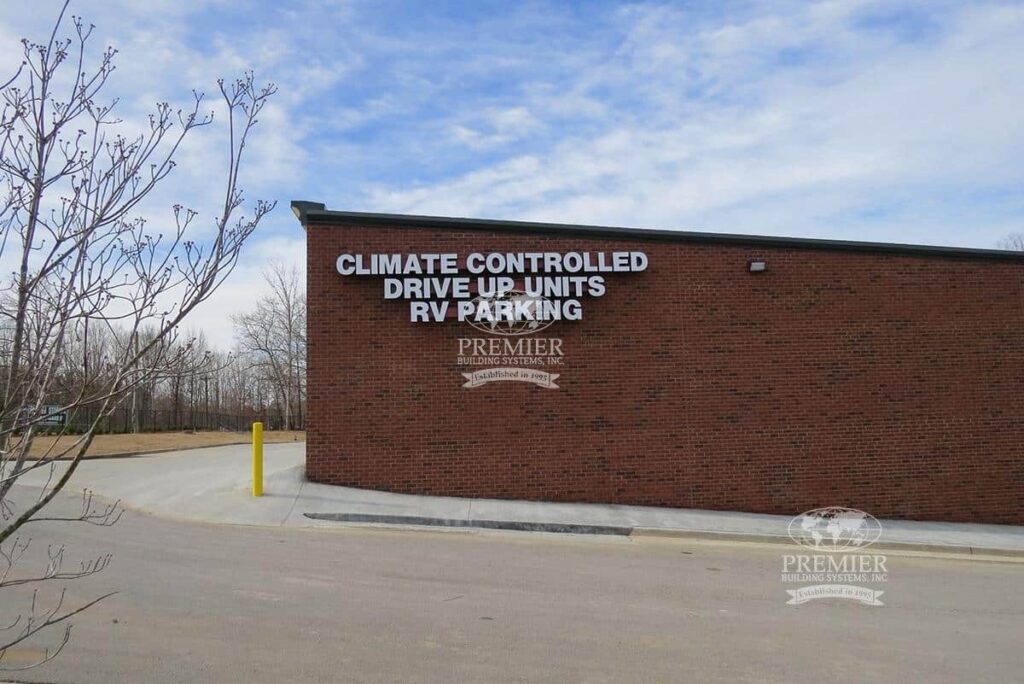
(214, 485)
(203, 602)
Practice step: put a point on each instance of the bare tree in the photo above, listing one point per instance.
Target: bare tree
(273, 338)
(1013, 242)
(85, 266)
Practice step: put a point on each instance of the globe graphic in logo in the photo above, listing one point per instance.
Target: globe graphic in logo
(510, 313)
(835, 529)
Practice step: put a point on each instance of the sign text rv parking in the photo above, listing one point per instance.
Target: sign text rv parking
(547, 286)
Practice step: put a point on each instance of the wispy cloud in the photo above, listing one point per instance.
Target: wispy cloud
(853, 120)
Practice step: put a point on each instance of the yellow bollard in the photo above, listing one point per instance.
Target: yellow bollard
(257, 459)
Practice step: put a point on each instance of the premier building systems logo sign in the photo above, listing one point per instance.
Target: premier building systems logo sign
(836, 537)
(504, 294)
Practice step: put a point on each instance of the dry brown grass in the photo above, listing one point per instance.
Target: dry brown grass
(107, 445)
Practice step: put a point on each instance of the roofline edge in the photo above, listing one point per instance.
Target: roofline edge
(316, 213)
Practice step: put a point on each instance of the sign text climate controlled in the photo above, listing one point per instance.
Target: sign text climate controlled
(495, 286)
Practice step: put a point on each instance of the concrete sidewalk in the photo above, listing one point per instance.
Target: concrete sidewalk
(212, 485)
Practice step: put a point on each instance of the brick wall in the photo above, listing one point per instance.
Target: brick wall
(886, 382)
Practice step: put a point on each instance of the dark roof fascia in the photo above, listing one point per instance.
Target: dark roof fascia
(315, 213)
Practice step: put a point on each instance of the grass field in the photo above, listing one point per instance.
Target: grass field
(107, 445)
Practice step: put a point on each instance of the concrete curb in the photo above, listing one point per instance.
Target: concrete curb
(954, 549)
(513, 525)
(968, 552)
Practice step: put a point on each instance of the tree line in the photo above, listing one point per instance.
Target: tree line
(196, 386)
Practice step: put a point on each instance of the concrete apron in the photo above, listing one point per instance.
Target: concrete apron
(214, 485)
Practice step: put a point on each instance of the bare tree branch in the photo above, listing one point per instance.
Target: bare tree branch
(1013, 242)
(273, 338)
(91, 314)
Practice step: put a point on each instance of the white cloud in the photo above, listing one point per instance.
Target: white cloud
(497, 127)
(863, 119)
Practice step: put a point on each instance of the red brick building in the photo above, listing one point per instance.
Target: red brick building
(888, 378)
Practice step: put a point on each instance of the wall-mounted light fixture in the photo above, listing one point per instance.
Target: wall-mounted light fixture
(757, 266)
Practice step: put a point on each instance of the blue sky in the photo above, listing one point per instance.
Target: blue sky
(887, 121)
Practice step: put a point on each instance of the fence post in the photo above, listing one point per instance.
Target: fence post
(257, 459)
